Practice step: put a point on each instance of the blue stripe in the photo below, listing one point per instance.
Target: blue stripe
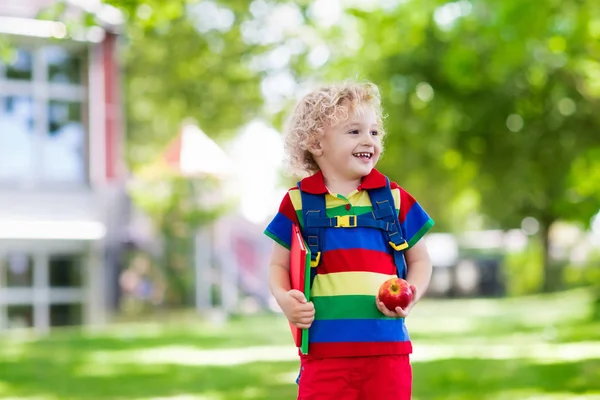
(281, 228)
(358, 330)
(414, 221)
(355, 238)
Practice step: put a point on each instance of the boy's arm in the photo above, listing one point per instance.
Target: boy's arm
(292, 302)
(279, 271)
(419, 268)
(418, 276)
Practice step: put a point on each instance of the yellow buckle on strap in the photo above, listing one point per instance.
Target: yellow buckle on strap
(343, 221)
(400, 246)
(313, 264)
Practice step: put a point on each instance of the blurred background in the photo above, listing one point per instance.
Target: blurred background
(141, 159)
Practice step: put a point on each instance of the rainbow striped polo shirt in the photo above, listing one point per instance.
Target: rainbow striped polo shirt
(354, 263)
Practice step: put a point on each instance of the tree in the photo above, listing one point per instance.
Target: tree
(186, 60)
(180, 59)
(499, 96)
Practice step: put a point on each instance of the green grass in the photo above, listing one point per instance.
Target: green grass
(539, 347)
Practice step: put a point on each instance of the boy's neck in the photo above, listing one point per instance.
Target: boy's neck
(341, 186)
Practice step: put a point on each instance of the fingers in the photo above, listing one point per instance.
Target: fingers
(399, 312)
(385, 311)
(303, 325)
(402, 312)
(413, 288)
(298, 295)
(306, 307)
(300, 312)
(304, 319)
(303, 315)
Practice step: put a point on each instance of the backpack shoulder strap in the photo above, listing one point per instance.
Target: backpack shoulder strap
(384, 209)
(313, 210)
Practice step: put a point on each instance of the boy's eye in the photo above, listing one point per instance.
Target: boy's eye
(354, 132)
(374, 133)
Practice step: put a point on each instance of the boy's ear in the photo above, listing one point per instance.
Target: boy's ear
(316, 149)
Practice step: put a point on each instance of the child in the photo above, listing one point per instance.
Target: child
(358, 350)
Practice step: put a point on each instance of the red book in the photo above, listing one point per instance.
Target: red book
(300, 280)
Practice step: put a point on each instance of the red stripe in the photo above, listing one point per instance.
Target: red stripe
(356, 260)
(344, 349)
(406, 202)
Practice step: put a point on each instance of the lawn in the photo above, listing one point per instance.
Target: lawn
(539, 347)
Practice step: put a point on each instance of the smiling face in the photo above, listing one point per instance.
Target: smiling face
(350, 149)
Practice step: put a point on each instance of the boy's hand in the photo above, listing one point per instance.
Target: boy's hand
(399, 312)
(296, 309)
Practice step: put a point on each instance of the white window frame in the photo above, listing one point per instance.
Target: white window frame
(42, 92)
(40, 296)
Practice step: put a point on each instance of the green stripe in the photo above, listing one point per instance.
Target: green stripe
(341, 210)
(421, 232)
(346, 307)
(300, 218)
(275, 238)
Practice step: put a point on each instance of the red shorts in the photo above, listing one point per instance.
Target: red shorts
(356, 378)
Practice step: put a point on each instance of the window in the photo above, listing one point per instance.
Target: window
(21, 67)
(43, 134)
(65, 271)
(65, 314)
(63, 146)
(18, 268)
(63, 67)
(43, 288)
(16, 137)
(19, 316)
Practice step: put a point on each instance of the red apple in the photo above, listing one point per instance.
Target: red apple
(395, 292)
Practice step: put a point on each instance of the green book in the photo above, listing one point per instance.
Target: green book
(300, 280)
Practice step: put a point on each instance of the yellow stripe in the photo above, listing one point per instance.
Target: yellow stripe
(396, 196)
(296, 199)
(348, 283)
(360, 199)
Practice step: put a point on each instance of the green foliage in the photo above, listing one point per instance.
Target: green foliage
(492, 107)
(178, 206)
(524, 270)
(174, 71)
(7, 52)
(499, 98)
(582, 275)
(492, 349)
(180, 59)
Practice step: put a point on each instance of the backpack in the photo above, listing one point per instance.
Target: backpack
(383, 217)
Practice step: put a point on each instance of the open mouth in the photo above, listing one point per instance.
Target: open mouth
(363, 155)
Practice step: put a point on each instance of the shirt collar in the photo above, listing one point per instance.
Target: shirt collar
(315, 184)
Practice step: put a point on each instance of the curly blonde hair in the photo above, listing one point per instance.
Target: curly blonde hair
(319, 109)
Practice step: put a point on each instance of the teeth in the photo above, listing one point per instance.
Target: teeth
(367, 155)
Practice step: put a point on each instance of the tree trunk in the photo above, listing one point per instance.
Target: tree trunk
(552, 273)
(596, 303)
(171, 267)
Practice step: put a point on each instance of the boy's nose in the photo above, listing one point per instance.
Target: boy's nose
(368, 138)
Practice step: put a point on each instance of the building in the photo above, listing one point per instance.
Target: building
(62, 200)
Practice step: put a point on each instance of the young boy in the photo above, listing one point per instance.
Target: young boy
(358, 349)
